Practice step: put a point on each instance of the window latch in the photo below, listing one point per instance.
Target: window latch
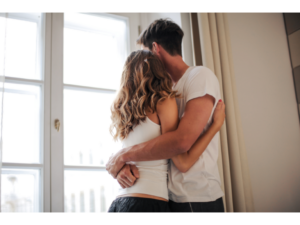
(57, 124)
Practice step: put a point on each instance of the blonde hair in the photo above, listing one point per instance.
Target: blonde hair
(144, 83)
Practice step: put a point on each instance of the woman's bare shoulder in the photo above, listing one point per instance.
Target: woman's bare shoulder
(166, 105)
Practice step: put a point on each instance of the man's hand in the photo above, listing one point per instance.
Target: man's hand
(128, 175)
(115, 164)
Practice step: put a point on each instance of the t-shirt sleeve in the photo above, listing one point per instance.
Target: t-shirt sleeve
(203, 82)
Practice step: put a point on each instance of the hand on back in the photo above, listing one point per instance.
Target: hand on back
(219, 113)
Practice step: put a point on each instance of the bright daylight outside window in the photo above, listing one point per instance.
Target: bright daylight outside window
(21, 175)
(95, 49)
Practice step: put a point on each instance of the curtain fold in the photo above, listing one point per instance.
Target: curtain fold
(3, 27)
(233, 164)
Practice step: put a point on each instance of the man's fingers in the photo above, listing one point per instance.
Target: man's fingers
(115, 169)
(123, 185)
(114, 165)
(125, 175)
(109, 162)
(135, 171)
(123, 178)
(113, 172)
(127, 182)
(128, 178)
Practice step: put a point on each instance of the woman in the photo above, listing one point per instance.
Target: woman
(144, 108)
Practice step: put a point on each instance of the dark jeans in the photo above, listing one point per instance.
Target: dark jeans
(214, 206)
(135, 204)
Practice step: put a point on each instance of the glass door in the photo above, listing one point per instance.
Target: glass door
(25, 167)
(93, 51)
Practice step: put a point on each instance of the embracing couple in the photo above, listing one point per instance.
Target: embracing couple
(167, 116)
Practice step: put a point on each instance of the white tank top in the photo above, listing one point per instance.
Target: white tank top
(153, 174)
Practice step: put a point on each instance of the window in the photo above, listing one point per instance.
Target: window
(95, 49)
(23, 113)
(63, 67)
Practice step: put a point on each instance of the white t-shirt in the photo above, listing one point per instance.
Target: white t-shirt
(202, 182)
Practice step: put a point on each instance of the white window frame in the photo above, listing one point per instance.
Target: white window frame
(50, 65)
(44, 166)
(57, 88)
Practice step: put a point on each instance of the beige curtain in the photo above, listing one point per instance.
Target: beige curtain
(233, 164)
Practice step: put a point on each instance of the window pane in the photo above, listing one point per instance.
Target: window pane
(89, 191)
(21, 50)
(21, 123)
(94, 54)
(20, 190)
(87, 140)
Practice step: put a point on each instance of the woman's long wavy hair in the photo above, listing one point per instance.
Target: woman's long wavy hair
(144, 83)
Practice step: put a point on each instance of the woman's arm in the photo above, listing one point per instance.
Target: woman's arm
(186, 160)
(168, 115)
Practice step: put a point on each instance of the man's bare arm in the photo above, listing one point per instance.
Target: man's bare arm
(195, 118)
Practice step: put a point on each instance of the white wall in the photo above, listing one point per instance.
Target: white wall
(187, 47)
(268, 109)
(173, 16)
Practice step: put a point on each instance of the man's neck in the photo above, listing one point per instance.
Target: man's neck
(176, 67)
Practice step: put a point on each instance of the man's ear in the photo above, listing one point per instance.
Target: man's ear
(155, 48)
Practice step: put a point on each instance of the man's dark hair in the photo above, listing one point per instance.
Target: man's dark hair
(164, 32)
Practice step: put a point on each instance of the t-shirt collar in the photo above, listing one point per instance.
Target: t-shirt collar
(174, 86)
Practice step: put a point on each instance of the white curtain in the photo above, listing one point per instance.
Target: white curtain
(3, 23)
(233, 163)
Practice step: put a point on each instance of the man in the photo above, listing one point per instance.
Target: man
(199, 189)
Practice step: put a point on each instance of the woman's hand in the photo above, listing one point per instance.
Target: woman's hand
(219, 114)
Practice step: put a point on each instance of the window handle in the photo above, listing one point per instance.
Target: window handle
(57, 124)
